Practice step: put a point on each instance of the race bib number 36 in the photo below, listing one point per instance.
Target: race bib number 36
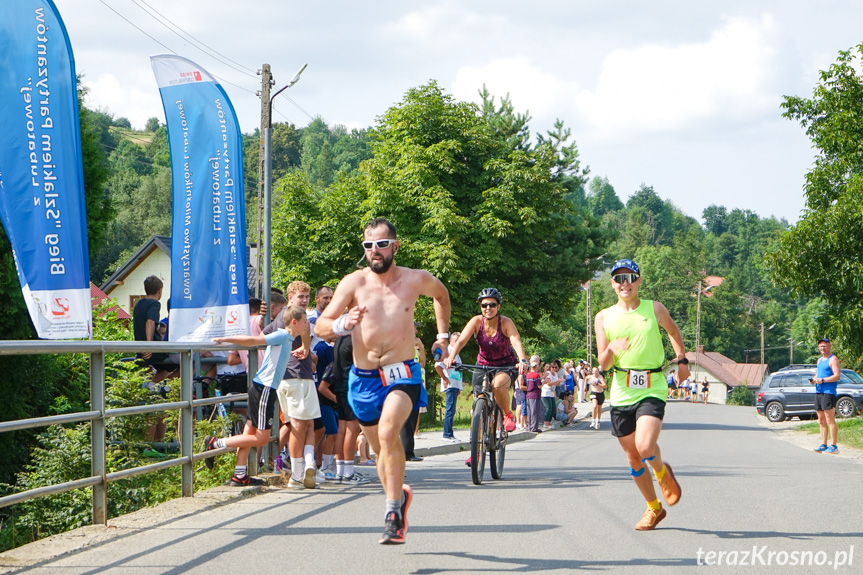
(637, 379)
(394, 372)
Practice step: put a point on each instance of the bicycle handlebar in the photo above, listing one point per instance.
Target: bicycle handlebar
(466, 367)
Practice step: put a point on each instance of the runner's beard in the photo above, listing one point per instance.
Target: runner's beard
(382, 266)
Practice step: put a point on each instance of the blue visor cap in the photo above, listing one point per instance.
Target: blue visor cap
(824, 339)
(625, 264)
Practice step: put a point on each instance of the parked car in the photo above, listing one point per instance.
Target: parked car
(789, 393)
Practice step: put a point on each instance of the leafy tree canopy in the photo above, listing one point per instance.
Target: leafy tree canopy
(472, 204)
(820, 255)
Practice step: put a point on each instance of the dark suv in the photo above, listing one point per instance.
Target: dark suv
(788, 392)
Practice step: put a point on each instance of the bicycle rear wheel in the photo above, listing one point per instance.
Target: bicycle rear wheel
(497, 443)
(478, 440)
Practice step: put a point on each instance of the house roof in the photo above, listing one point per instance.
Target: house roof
(97, 296)
(728, 371)
(156, 242)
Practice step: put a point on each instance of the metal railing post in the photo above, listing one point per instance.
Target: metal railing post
(187, 434)
(98, 465)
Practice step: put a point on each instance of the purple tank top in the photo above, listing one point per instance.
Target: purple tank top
(494, 350)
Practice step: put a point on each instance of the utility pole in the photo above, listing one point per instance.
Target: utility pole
(697, 333)
(267, 170)
(762, 343)
(266, 122)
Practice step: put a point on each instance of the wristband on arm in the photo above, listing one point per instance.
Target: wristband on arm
(339, 326)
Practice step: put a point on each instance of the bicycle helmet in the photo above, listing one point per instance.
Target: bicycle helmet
(489, 292)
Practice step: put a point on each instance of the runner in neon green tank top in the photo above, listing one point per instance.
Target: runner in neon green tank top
(628, 342)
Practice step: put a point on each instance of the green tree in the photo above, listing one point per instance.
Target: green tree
(152, 124)
(602, 199)
(469, 207)
(820, 256)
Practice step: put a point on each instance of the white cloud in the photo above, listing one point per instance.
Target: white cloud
(137, 101)
(655, 88)
(529, 87)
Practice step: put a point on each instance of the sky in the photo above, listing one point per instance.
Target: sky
(679, 95)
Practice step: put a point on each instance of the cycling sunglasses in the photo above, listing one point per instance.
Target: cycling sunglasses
(620, 278)
(492, 305)
(380, 244)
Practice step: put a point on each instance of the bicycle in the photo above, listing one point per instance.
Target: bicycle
(487, 433)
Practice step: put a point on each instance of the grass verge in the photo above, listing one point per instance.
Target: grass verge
(850, 431)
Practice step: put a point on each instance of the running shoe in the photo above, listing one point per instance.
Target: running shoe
(508, 422)
(320, 476)
(209, 445)
(354, 480)
(670, 487)
(246, 481)
(309, 477)
(295, 484)
(650, 519)
(832, 449)
(407, 496)
(394, 533)
(820, 448)
(331, 475)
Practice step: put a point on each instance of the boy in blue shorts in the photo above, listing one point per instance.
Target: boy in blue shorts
(262, 390)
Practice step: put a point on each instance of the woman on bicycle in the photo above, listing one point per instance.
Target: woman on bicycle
(499, 344)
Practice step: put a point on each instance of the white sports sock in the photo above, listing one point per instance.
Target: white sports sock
(309, 455)
(340, 468)
(239, 470)
(349, 469)
(298, 465)
(220, 443)
(327, 460)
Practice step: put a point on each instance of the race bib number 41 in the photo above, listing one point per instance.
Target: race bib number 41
(393, 372)
(637, 379)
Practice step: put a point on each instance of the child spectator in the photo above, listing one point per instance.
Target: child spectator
(532, 394)
(262, 394)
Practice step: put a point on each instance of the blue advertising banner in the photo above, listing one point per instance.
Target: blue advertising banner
(209, 294)
(41, 175)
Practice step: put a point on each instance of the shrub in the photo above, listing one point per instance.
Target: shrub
(741, 395)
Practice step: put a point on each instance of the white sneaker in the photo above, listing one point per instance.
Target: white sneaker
(320, 476)
(354, 480)
(591, 424)
(596, 426)
(309, 477)
(293, 484)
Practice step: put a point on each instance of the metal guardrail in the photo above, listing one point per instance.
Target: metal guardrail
(97, 416)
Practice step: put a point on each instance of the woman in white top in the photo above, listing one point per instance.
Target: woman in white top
(550, 381)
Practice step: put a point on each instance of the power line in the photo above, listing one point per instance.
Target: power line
(199, 41)
(194, 43)
(136, 27)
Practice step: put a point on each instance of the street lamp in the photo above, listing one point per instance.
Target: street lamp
(268, 184)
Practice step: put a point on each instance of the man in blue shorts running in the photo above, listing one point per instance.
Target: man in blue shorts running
(385, 383)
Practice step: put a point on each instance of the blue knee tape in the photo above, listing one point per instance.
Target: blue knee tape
(635, 473)
(646, 459)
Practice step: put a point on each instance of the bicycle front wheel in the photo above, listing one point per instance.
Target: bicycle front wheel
(497, 444)
(478, 440)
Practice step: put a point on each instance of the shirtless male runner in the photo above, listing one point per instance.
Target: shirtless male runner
(385, 383)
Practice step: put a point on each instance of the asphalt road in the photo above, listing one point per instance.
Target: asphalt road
(565, 503)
